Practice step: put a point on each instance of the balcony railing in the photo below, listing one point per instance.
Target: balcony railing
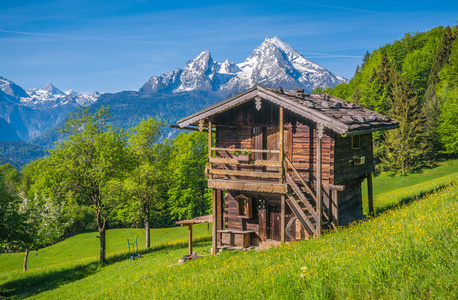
(229, 171)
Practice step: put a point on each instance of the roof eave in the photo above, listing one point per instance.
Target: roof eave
(257, 90)
(369, 130)
(220, 106)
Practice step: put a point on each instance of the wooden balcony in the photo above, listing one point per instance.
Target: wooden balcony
(229, 172)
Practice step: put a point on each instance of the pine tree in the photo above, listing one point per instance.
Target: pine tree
(442, 54)
(403, 147)
(384, 70)
(384, 77)
(366, 58)
(430, 114)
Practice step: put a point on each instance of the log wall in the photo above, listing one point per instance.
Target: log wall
(301, 150)
(350, 202)
(234, 222)
(345, 169)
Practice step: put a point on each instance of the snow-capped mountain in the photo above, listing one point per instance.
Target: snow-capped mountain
(272, 64)
(33, 111)
(11, 92)
(52, 96)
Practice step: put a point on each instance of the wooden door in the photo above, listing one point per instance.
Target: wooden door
(275, 226)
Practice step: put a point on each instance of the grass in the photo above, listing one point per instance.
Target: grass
(389, 200)
(391, 191)
(386, 182)
(76, 258)
(84, 248)
(406, 253)
(79, 281)
(410, 250)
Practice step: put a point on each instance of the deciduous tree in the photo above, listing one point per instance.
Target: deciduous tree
(189, 195)
(11, 221)
(84, 164)
(147, 182)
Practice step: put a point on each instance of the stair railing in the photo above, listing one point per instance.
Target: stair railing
(309, 190)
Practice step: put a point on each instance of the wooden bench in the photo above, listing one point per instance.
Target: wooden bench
(235, 238)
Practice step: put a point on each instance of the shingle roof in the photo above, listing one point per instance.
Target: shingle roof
(336, 114)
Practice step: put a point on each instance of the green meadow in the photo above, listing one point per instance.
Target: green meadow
(387, 182)
(408, 251)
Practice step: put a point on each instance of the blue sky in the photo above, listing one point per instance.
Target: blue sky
(110, 46)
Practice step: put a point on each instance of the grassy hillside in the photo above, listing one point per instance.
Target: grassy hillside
(84, 248)
(393, 190)
(386, 182)
(406, 252)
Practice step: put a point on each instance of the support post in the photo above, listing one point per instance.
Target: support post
(336, 208)
(210, 176)
(281, 143)
(370, 196)
(214, 223)
(282, 218)
(219, 214)
(190, 239)
(319, 190)
(281, 157)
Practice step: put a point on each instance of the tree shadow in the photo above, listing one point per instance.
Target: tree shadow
(35, 284)
(51, 279)
(409, 199)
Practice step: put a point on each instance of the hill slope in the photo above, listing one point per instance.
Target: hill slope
(405, 253)
(20, 153)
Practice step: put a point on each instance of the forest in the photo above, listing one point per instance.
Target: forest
(413, 80)
(103, 177)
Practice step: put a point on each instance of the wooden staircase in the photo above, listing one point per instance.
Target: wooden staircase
(301, 205)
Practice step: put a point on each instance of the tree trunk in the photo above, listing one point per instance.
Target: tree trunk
(101, 222)
(103, 248)
(25, 260)
(146, 221)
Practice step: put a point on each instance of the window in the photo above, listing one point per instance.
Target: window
(355, 142)
(244, 208)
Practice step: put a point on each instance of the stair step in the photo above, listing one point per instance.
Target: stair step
(295, 188)
(303, 218)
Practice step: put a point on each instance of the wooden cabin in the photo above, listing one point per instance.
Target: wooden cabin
(289, 163)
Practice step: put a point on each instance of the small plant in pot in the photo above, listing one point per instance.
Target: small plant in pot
(241, 155)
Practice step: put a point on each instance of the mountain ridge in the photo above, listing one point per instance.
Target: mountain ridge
(173, 95)
(32, 111)
(274, 63)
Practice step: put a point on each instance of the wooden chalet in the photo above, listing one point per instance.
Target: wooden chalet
(292, 163)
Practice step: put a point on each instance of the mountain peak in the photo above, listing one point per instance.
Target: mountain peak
(205, 53)
(279, 44)
(11, 89)
(52, 90)
(201, 63)
(48, 87)
(274, 63)
(195, 75)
